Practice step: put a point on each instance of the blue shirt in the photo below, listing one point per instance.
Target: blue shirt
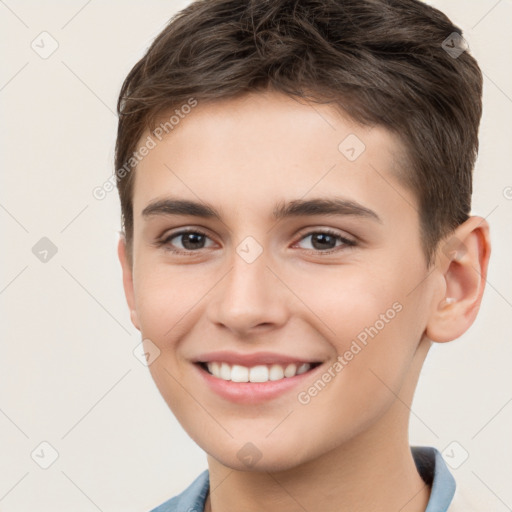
(429, 462)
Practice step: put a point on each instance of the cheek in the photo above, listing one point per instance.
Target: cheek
(370, 318)
(165, 300)
(374, 355)
(349, 300)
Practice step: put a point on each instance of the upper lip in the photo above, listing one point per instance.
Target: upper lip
(251, 359)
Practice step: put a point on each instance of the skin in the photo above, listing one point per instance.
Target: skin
(347, 449)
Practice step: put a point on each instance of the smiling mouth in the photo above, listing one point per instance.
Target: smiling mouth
(257, 373)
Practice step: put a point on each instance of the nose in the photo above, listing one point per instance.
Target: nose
(250, 298)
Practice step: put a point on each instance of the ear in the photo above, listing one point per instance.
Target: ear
(127, 270)
(462, 258)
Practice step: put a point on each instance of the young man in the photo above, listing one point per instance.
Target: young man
(295, 181)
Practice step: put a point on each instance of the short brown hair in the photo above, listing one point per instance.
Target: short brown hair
(384, 62)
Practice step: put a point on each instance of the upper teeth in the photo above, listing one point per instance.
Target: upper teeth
(259, 373)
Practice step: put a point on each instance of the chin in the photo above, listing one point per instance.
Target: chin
(257, 456)
(264, 465)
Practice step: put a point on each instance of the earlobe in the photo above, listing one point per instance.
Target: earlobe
(127, 271)
(134, 318)
(463, 260)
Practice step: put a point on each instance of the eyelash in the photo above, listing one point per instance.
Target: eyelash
(346, 242)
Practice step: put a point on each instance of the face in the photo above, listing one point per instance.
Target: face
(268, 239)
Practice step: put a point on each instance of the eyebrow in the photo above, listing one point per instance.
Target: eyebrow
(294, 208)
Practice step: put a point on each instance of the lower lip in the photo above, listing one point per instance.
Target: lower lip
(254, 392)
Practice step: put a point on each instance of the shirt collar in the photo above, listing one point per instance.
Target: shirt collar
(432, 468)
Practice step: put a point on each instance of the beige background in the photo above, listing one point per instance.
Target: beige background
(68, 375)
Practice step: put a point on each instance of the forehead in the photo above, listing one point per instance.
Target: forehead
(254, 151)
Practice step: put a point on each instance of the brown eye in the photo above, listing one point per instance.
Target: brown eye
(190, 241)
(325, 241)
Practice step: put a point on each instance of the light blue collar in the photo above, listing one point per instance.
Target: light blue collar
(432, 468)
